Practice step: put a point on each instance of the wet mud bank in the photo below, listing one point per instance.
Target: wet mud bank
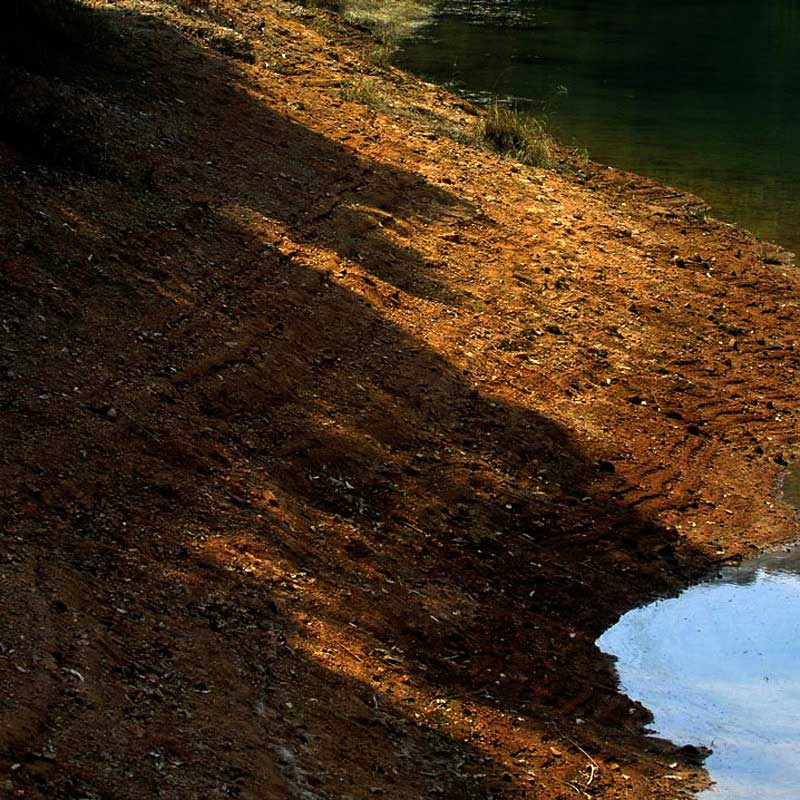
(332, 443)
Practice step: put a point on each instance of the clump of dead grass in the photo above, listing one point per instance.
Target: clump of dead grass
(389, 21)
(363, 89)
(518, 135)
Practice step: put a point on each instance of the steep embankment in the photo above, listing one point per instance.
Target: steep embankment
(331, 444)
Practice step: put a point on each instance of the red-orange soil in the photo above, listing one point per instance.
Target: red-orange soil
(331, 444)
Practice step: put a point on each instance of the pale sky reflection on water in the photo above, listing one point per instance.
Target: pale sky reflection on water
(719, 666)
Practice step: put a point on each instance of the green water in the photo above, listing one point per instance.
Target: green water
(703, 96)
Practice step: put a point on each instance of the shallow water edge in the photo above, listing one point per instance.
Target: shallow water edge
(719, 668)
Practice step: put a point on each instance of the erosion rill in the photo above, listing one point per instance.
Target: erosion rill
(331, 441)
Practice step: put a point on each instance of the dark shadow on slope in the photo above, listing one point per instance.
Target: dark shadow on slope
(47, 49)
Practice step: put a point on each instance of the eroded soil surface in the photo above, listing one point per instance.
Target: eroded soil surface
(330, 444)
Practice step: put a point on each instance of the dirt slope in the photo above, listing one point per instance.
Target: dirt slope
(330, 445)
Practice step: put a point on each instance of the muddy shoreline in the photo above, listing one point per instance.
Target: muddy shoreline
(331, 444)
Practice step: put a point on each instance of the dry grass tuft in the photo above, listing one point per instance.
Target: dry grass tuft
(518, 135)
(363, 89)
(389, 20)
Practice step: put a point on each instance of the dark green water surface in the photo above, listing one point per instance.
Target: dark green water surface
(704, 96)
